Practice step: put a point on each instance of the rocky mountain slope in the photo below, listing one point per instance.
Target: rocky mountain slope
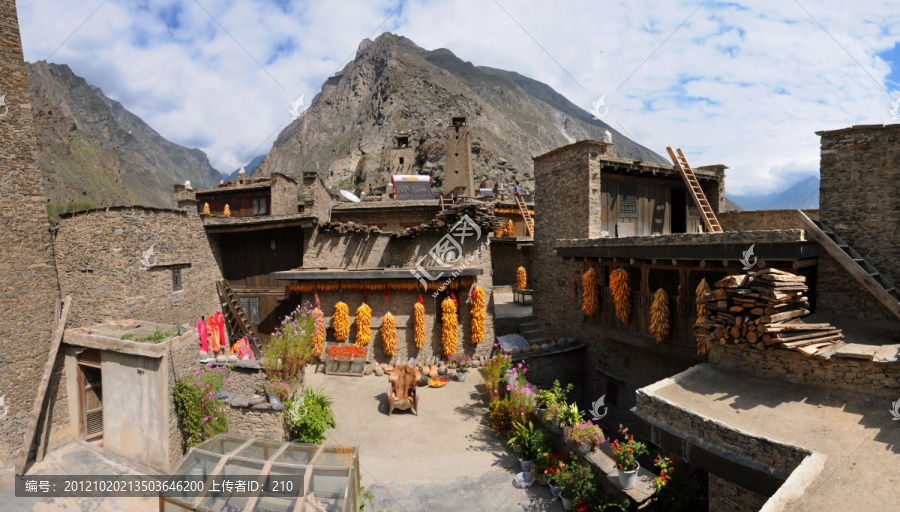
(393, 85)
(91, 149)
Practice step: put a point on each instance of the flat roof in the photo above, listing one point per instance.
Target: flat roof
(347, 274)
(387, 205)
(852, 436)
(856, 127)
(221, 224)
(780, 244)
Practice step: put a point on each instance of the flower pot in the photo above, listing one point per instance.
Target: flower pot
(540, 411)
(584, 447)
(540, 478)
(461, 376)
(273, 399)
(554, 423)
(516, 448)
(567, 504)
(628, 479)
(526, 464)
(554, 490)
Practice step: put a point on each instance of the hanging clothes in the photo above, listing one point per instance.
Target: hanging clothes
(214, 343)
(241, 348)
(203, 332)
(220, 324)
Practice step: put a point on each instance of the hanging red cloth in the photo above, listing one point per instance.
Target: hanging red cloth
(213, 333)
(203, 332)
(220, 323)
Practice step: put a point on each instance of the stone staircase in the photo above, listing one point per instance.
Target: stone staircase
(531, 331)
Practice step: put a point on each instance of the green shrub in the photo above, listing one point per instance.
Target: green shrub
(290, 347)
(309, 417)
(201, 415)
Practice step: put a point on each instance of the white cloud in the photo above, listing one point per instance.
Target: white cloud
(744, 86)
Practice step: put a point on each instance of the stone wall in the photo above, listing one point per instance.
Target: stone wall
(839, 293)
(565, 366)
(261, 423)
(315, 197)
(285, 194)
(180, 362)
(506, 260)
(402, 160)
(869, 377)
(762, 219)
(246, 381)
(860, 192)
(725, 496)
(28, 278)
(714, 190)
(98, 255)
(458, 171)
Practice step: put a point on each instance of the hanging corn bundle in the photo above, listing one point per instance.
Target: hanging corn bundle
(449, 327)
(500, 232)
(388, 334)
(363, 325)
(510, 228)
(419, 325)
(659, 316)
(478, 315)
(521, 278)
(621, 290)
(205, 208)
(702, 289)
(341, 321)
(227, 211)
(318, 338)
(590, 303)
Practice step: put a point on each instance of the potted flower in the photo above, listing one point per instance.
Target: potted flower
(625, 453)
(462, 363)
(585, 435)
(541, 464)
(554, 414)
(277, 391)
(530, 443)
(570, 416)
(545, 397)
(554, 471)
(575, 482)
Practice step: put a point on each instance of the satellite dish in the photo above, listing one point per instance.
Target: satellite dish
(350, 196)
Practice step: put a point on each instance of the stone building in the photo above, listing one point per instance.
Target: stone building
(27, 270)
(459, 175)
(685, 403)
(403, 155)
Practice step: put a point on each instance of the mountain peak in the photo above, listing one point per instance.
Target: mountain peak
(394, 85)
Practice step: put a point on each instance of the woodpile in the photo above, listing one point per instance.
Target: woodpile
(347, 228)
(481, 213)
(763, 309)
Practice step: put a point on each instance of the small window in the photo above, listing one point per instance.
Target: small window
(693, 211)
(254, 207)
(627, 201)
(612, 393)
(250, 305)
(177, 285)
(401, 160)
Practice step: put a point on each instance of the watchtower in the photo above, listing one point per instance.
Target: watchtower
(402, 155)
(459, 178)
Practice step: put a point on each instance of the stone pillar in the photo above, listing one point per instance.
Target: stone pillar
(715, 191)
(27, 268)
(459, 176)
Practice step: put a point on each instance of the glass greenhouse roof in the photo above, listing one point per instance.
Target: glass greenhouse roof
(231, 473)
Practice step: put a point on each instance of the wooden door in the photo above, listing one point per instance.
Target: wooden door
(90, 394)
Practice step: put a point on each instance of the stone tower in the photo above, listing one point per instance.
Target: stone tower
(27, 268)
(459, 177)
(402, 155)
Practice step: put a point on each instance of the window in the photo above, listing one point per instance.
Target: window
(627, 201)
(250, 305)
(693, 211)
(401, 160)
(258, 206)
(612, 393)
(177, 285)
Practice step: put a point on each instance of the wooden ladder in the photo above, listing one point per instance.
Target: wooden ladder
(529, 222)
(231, 307)
(872, 280)
(706, 212)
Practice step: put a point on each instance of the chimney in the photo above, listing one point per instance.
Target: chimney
(242, 175)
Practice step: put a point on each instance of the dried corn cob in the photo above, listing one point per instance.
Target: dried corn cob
(449, 328)
(621, 290)
(388, 334)
(363, 325)
(590, 304)
(659, 316)
(478, 315)
(521, 278)
(419, 325)
(341, 321)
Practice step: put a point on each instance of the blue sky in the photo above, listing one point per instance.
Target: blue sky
(744, 84)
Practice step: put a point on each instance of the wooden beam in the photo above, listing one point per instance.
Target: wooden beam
(42, 387)
(44, 439)
(808, 262)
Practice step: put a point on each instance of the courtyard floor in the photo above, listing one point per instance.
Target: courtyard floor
(446, 458)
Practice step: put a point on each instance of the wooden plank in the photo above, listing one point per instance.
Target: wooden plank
(798, 337)
(797, 327)
(804, 343)
(42, 387)
(44, 438)
(846, 261)
(814, 348)
(777, 317)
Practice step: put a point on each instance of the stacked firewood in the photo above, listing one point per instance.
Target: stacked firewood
(346, 228)
(481, 213)
(763, 309)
